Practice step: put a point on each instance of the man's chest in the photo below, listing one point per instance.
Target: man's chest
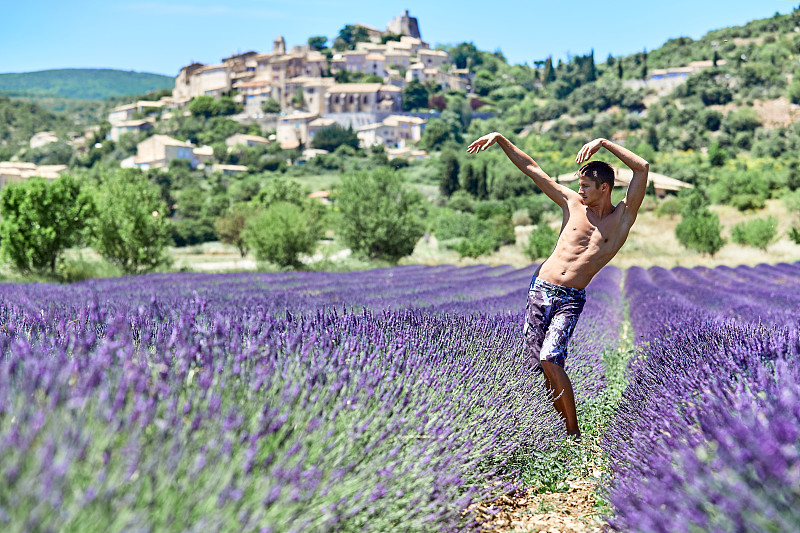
(599, 236)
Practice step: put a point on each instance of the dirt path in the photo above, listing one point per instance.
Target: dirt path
(552, 512)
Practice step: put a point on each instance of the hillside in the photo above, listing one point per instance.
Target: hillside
(83, 84)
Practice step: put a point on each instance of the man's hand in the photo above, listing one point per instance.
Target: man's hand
(588, 150)
(483, 143)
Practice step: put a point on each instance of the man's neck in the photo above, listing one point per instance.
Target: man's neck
(601, 210)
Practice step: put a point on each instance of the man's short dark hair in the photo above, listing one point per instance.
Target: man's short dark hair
(599, 172)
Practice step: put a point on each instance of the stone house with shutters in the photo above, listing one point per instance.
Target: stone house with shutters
(246, 140)
(127, 112)
(292, 129)
(314, 90)
(363, 98)
(395, 131)
(375, 64)
(157, 151)
(433, 58)
(119, 129)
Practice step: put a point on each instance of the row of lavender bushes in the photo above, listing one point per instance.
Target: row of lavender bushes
(707, 437)
(381, 400)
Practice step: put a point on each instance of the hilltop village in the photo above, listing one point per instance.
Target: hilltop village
(294, 92)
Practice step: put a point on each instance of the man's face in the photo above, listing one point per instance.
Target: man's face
(590, 193)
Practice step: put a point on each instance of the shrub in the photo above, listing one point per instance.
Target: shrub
(379, 214)
(471, 236)
(541, 242)
(699, 228)
(398, 162)
(40, 220)
(507, 185)
(461, 201)
(280, 233)
(491, 208)
(535, 204)
(230, 226)
(270, 105)
(331, 137)
(668, 207)
(794, 92)
(477, 246)
(794, 234)
(758, 232)
(130, 229)
(747, 202)
(792, 201)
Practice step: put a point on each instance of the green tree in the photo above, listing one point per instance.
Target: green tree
(469, 180)
(793, 176)
(280, 233)
(349, 36)
(699, 228)
(270, 105)
(203, 106)
(230, 225)
(448, 182)
(379, 215)
(482, 180)
(716, 155)
(227, 106)
(331, 137)
(40, 220)
(317, 42)
(541, 242)
(298, 100)
(794, 92)
(190, 224)
(436, 133)
(131, 229)
(465, 55)
(758, 232)
(415, 96)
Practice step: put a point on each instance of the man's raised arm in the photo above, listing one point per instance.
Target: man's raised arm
(555, 191)
(638, 185)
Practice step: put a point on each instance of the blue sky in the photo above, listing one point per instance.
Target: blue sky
(162, 36)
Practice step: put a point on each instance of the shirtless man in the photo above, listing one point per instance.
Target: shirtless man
(592, 232)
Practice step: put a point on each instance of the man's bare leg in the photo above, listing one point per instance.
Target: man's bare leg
(559, 386)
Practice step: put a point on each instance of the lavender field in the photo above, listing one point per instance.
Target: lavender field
(389, 400)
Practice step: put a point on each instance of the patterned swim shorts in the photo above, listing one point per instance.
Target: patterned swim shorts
(551, 314)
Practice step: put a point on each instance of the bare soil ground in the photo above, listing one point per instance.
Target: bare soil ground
(574, 511)
(777, 113)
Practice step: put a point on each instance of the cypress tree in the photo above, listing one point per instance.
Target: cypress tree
(448, 183)
(469, 180)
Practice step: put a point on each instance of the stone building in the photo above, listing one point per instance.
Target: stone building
(363, 98)
(404, 25)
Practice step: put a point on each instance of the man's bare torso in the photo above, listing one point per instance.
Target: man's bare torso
(586, 244)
